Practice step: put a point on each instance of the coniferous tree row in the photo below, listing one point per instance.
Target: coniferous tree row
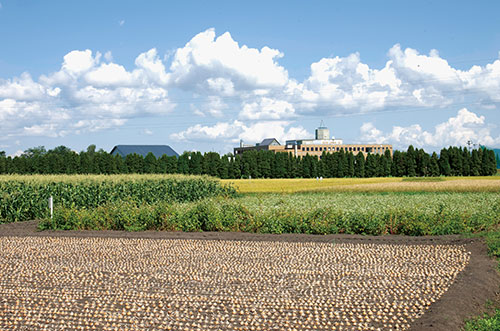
(452, 161)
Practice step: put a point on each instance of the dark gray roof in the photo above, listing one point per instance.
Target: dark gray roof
(157, 150)
(268, 141)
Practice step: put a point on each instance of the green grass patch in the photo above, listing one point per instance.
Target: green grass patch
(488, 322)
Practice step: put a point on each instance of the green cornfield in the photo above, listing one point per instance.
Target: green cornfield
(25, 197)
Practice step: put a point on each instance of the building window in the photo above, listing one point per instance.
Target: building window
(308, 149)
(303, 149)
(362, 148)
(316, 149)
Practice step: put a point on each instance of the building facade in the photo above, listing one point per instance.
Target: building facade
(317, 146)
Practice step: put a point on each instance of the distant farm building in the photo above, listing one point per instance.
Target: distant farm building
(157, 150)
(321, 143)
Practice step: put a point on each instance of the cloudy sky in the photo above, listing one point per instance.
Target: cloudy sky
(203, 75)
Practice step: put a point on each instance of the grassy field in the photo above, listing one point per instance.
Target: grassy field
(371, 206)
(383, 184)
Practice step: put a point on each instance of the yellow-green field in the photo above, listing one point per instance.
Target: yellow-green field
(384, 184)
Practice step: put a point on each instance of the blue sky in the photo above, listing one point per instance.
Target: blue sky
(201, 75)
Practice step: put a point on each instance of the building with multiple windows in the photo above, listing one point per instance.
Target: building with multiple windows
(321, 143)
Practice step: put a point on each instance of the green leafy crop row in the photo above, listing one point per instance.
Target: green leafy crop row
(326, 213)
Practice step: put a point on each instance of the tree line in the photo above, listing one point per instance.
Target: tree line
(452, 161)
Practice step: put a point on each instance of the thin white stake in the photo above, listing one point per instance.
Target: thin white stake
(51, 206)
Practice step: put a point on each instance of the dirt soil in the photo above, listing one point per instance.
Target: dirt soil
(466, 298)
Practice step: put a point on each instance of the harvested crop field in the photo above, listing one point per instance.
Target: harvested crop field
(235, 281)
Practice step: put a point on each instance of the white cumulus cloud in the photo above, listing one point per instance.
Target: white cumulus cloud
(232, 132)
(221, 64)
(215, 75)
(267, 108)
(456, 131)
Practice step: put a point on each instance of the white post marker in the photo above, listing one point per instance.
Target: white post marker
(51, 206)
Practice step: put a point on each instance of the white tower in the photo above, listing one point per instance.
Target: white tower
(322, 133)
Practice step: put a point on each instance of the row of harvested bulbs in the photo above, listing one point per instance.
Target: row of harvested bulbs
(132, 284)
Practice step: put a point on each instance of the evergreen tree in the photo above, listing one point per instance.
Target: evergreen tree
(370, 166)
(455, 160)
(359, 165)
(195, 163)
(381, 165)
(314, 166)
(249, 166)
(475, 163)
(150, 164)
(489, 163)
(444, 163)
(134, 163)
(485, 166)
(85, 165)
(93, 166)
(306, 166)
(9, 169)
(279, 165)
(172, 165)
(3, 163)
(350, 164)
(162, 164)
(55, 163)
(398, 168)
(72, 162)
(342, 164)
(35, 156)
(183, 163)
(326, 164)
(411, 163)
(334, 165)
(224, 166)
(20, 165)
(466, 162)
(293, 166)
(387, 163)
(236, 167)
(121, 167)
(211, 164)
(493, 162)
(434, 165)
(264, 163)
(498, 161)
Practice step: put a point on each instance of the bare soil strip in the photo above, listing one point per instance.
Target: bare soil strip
(118, 280)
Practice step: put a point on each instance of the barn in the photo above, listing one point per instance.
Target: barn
(157, 150)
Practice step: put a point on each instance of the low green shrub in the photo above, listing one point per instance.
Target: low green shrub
(485, 323)
(326, 213)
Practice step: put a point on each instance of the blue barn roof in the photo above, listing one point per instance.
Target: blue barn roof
(157, 150)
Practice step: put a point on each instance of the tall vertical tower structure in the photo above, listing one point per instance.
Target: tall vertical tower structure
(322, 132)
